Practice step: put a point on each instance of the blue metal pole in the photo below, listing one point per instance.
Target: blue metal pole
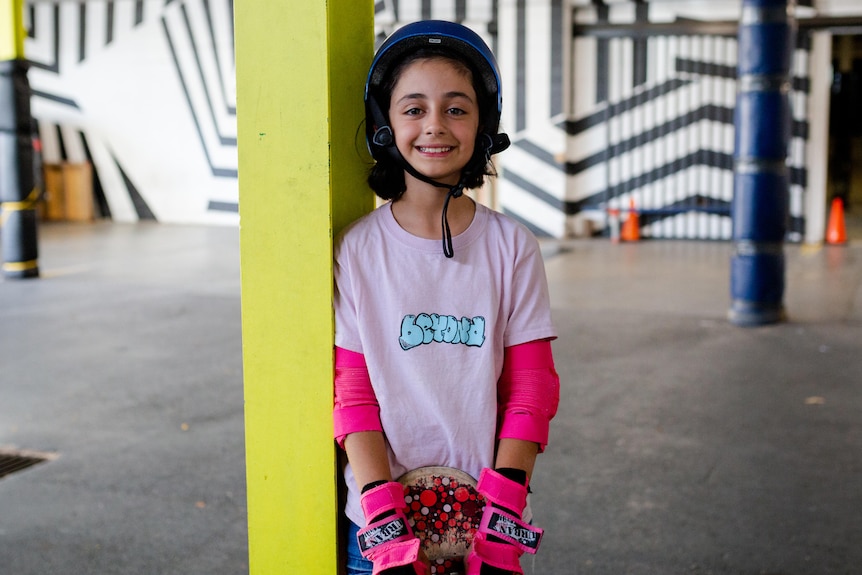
(760, 195)
(18, 194)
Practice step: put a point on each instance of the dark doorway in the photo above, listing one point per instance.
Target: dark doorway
(845, 131)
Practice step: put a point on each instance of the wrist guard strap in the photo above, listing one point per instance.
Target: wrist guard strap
(500, 555)
(502, 492)
(382, 499)
(391, 529)
(511, 529)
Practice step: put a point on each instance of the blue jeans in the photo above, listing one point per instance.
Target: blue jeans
(356, 563)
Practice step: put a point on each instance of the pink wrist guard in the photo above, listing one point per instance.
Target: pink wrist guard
(516, 537)
(507, 525)
(388, 542)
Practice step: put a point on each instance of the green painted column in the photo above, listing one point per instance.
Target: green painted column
(302, 164)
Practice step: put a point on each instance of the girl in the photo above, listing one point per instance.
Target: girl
(442, 357)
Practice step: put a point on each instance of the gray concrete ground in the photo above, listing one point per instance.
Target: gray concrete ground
(682, 444)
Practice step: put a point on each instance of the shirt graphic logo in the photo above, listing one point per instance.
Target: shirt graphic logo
(427, 328)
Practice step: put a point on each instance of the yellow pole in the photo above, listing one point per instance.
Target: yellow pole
(300, 75)
(12, 30)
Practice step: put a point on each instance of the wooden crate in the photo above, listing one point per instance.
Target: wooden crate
(55, 201)
(78, 192)
(69, 192)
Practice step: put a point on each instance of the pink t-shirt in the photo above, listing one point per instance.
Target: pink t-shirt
(433, 329)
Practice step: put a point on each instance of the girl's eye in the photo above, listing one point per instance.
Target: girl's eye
(413, 111)
(457, 111)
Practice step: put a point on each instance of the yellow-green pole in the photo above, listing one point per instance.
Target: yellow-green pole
(300, 74)
(12, 30)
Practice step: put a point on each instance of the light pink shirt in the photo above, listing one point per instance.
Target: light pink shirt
(433, 329)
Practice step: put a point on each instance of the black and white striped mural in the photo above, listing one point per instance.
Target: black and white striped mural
(606, 118)
(144, 90)
(477, 14)
(532, 48)
(655, 127)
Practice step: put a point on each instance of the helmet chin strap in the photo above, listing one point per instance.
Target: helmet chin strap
(455, 191)
(384, 138)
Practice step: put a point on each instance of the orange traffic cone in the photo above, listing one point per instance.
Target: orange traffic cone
(836, 232)
(631, 231)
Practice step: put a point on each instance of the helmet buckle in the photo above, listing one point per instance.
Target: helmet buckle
(383, 137)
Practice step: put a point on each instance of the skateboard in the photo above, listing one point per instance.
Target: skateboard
(445, 510)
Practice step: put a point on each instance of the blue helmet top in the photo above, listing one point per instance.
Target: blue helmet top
(448, 36)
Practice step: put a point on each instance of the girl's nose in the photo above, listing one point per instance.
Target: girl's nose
(434, 123)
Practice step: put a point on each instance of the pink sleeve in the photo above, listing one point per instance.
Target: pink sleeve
(528, 392)
(356, 408)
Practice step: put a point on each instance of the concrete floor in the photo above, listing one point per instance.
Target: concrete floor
(682, 444)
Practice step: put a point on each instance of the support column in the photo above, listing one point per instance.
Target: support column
(817, 150)
(300, 77)
(17, 192)
(761, 181)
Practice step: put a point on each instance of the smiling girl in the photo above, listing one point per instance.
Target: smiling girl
(443, 357)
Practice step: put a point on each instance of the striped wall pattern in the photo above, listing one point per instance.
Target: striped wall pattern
(477, 14)
(141, 53)
(657, 128)
(533, 51)
(145, 83)
(62, 122)
(178, 111)
(199, 35)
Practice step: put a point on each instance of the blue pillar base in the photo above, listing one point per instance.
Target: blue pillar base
(757, 284)
(748, 314)
(30, 273)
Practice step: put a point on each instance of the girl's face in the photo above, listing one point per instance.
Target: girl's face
(434, 115)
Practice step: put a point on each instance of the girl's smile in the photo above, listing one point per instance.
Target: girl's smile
(435, 117)
(434, 150)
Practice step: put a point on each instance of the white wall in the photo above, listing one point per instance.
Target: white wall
(145, 90)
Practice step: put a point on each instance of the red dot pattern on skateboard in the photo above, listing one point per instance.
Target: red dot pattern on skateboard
(444, 514)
